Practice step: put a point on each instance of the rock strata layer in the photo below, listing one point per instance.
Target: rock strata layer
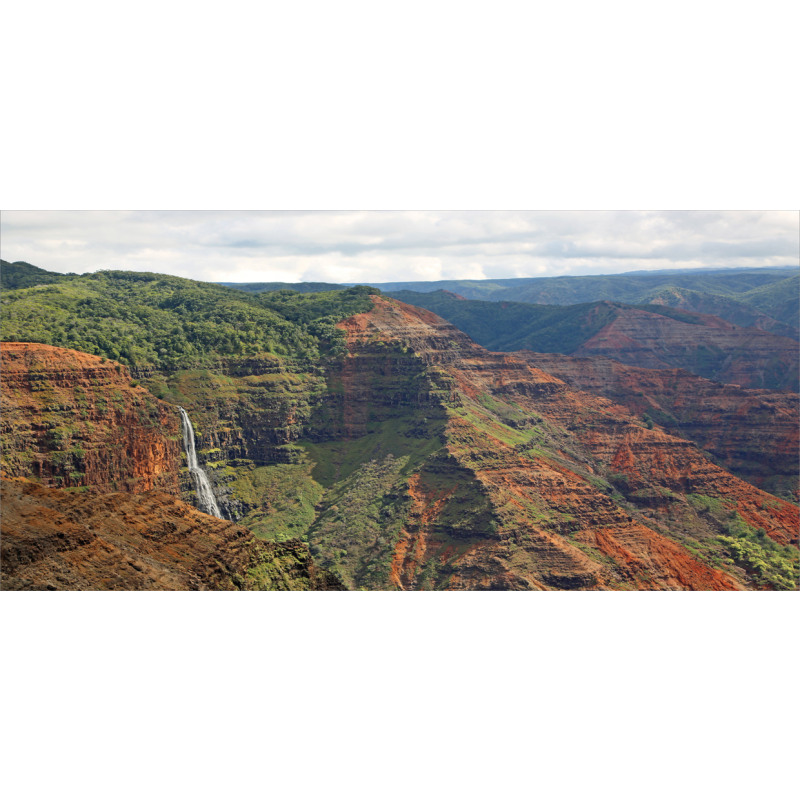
(753, 433)
(71, 419)
(537, 485)
(55, 539)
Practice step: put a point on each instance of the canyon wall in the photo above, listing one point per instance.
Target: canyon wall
(751, 432)
(707, 346)
(70, 419)
(526, 483)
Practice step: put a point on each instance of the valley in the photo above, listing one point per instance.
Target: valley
(370, 444)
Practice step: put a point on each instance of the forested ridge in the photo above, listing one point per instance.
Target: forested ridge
(141, 318)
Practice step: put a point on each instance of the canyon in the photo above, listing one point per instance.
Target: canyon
(92, 475)
(398, 455)
(535, 485)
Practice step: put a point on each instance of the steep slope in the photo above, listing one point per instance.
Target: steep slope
(409, 457)
(54, 539)
(751, 432)
(522, 484)
(71, 419)
(779, 299)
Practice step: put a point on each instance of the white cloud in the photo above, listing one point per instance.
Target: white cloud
(375, 246)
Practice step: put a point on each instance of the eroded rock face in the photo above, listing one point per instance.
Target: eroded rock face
(537, 485)
(751, 432)
(246, 414)
(56, 539)
(712, 348)
(71, 419)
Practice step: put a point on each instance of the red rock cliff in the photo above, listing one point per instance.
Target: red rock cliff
(754, 433)
(72, 419)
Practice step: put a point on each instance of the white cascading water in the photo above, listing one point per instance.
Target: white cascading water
(205, 496)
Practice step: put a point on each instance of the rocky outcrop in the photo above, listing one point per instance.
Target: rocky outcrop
(56, 539)
(71, 419)
(753, 433)
(383, 376)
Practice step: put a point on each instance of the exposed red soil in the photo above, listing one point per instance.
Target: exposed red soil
(754, 433)
(74, 419)
(88, 540)
(411, 548)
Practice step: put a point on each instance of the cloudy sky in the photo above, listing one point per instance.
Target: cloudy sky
(377, 246)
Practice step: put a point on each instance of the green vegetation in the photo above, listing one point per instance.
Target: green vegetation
(511, 326)
(144, 319)
(336, 460)
(778, 299)
(746, 311)
(306, 287)
(283, 498)
(355, 535)
(20, 275)
(277, 567)
(709, 505)
(766, 562)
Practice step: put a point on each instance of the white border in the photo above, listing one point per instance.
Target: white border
(435, 105)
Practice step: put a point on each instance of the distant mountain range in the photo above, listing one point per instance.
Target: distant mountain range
(765, 298)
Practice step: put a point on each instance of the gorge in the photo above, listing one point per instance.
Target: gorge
(377, 442)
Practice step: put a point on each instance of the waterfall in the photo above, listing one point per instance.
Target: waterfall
(205, 496)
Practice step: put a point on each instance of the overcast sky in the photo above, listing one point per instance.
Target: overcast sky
(379, 246)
